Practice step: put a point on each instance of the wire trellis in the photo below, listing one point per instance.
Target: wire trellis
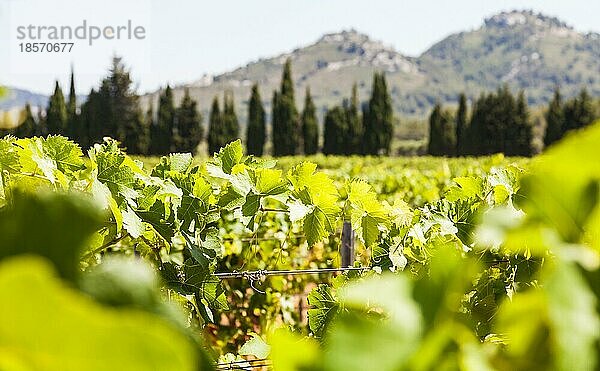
(244, 365)
(259, 275)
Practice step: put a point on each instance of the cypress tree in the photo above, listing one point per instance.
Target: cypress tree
(579, 111)
(285, 118)
(434, 146)
(165, 123)
(524, 128)
(41, 128)
(442, 132)
(27, 126)
(274, 117)
(90, 129)
(387, 118)
(494, 123)
(149, 123)
(555, 119)
(215, 128)
(231, 128)
(379, 123)
(310, 129)
(188, 131)
(56, 114)
(255, 130)
(72, 119)
(354, 134)
(335, 131)
(114, 111)
(461, 125)
(368, 137)
(448, 134)
(504, 123)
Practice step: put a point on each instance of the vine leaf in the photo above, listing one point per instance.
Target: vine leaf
(318, 193)
(324, 307)
(369, 216)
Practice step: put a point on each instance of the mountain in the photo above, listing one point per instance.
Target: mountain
(330, 67)
(17, 98)
(523, 49)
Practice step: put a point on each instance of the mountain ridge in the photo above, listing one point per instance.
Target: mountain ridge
(521, 48)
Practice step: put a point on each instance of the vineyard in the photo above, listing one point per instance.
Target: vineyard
(320, 263)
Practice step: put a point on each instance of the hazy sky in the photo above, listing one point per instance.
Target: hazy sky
(185, 39)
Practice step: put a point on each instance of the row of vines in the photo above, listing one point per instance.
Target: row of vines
(471, 264)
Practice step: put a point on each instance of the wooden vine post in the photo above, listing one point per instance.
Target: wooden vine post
(347, 249)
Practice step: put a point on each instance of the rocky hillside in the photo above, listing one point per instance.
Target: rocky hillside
(330, 67)
(523, 49)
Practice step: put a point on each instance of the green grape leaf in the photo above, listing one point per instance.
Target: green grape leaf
(65, 153)
(256, 347)
(298, 210)
(92, 336)
(465, 188)
(369, 216)
(33, 160)
(563, 333)
(113, 172)
(172, 165)
(252, 205)
(190, 210)
(54, 225)
(181, 162)
(270, 182)
(292, 352)
(132, 223)
(202, 189)
(162, 221)
(209, 291)
(204, 246)
(147, 196)
(230, 155)
(392, 336)
(231, 199)
(9, 156)
(318, 193)
(562, 189)
(324, 308)
(318, 225)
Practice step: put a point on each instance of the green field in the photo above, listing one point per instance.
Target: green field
(466, 263)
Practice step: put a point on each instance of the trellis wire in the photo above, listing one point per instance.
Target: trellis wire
(346, 251)
(244, 365)
(259, 274)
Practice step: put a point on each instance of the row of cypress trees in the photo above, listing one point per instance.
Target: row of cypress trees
(501, 122)
(114, 110)
(293, 132)
(347, 133)
(498, 121)
(564, 116)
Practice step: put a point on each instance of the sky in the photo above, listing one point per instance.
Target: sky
(185, 39)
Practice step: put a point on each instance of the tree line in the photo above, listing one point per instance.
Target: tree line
(501, 122)
(113, 109)
(496, 122)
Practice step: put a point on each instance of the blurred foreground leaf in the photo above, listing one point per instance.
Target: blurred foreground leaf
(45, 325)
